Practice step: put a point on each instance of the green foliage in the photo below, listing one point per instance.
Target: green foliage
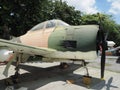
(66, 13)
(18, 16)
(60, 10)
(89, 19)
(109, 25)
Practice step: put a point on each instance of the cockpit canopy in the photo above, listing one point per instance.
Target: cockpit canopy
(49, 24)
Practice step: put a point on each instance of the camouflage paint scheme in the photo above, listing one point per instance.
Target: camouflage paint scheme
(54, 40)
(84, 36)
(71, 42)
(37, 38)
(58, 41)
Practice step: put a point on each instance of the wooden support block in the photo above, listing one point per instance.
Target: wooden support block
(87, 80)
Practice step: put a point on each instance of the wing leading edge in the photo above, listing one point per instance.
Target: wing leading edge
(20, 48)
(46, 52)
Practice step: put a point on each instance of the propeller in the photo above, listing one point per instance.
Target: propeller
(101, 44)
(103, 54)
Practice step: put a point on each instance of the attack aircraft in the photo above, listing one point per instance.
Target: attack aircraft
(55, 40)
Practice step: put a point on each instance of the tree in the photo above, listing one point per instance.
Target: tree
(66, 13)
(109, 25)
(20, 15)
(60, 10)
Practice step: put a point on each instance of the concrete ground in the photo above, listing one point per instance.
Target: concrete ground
(48, 76)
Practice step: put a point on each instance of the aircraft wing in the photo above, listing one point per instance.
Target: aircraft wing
(20, 48)
(46, 52)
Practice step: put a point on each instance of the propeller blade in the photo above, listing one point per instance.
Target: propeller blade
(103, 57)
(103, 61)
(102, 43)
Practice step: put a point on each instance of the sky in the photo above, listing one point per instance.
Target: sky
(111, 7)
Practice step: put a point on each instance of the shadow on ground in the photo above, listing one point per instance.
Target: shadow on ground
(118, 60)
(37, 77)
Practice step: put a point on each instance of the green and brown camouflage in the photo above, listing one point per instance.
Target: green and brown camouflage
(74, 38)
(59, 40)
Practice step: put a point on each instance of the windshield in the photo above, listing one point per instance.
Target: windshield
(61, 23)
(38, 26)
(49, 24)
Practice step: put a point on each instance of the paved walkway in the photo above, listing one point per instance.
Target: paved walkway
(47, 76)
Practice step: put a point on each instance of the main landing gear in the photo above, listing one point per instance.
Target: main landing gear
(86, 78)
(14, 79)
(63, 65)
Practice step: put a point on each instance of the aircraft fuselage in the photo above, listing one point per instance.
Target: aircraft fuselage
(69, 38)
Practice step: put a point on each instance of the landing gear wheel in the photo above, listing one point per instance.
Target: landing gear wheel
(64, 65)
(14, 79)
(8, 81)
